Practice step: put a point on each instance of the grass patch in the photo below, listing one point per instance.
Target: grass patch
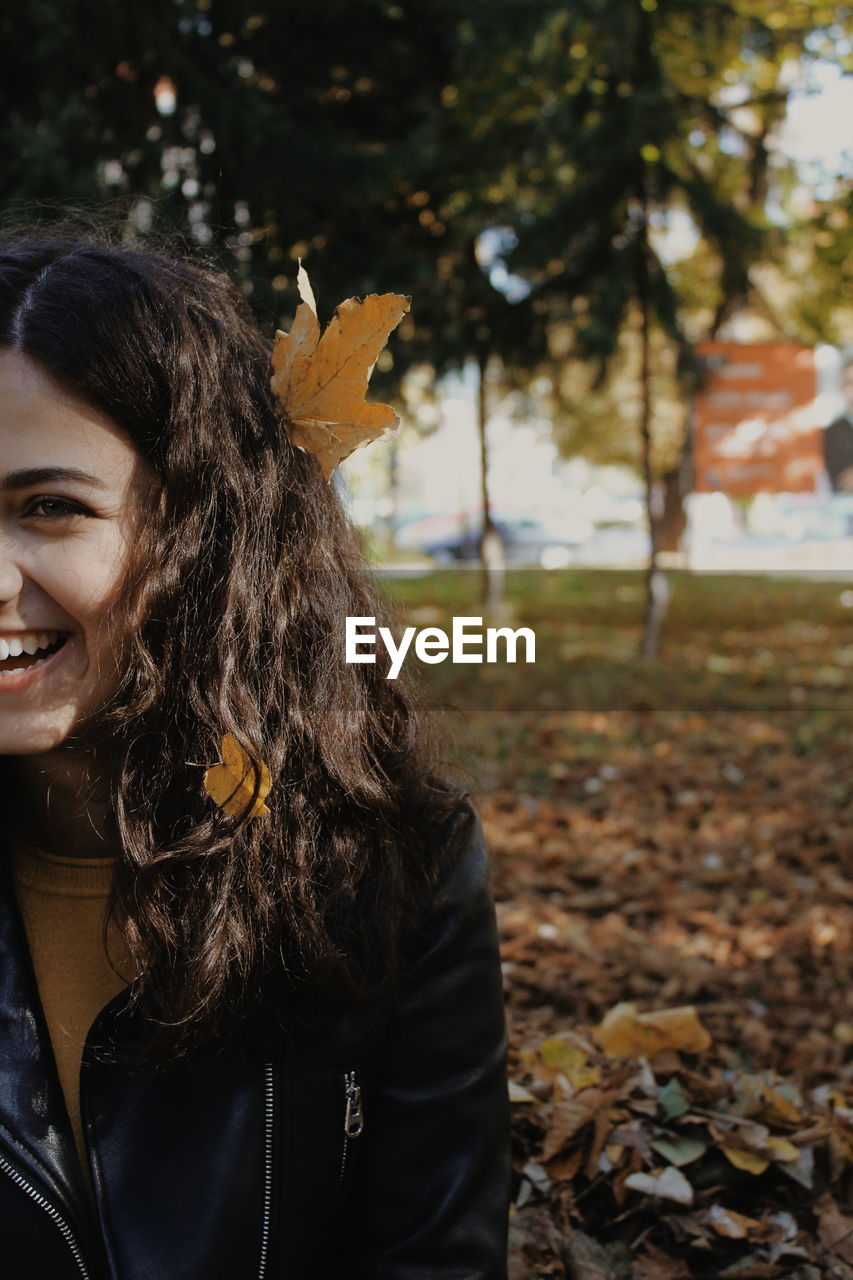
(730, 641)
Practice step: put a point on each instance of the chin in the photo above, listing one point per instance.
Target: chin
(31, 740)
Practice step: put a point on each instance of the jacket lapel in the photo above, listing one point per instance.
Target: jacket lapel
(35, 1131)
(181, 1158)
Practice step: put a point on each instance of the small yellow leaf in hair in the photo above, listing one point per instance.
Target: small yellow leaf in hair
(232, 784)
(320, 381)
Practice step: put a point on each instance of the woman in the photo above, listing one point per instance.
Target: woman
(230, 1045)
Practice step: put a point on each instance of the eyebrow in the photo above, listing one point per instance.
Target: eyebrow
(47, 475)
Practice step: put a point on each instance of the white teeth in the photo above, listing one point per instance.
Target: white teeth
(29, 642)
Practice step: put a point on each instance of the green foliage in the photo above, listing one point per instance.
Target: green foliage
(641, 137)
(822, 246)
(396, 145)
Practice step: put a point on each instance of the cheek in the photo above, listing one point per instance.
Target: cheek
(85, 580)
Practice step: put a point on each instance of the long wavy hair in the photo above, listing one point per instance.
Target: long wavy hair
(231, 617)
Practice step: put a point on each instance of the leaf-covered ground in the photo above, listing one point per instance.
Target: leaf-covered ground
(676, 912)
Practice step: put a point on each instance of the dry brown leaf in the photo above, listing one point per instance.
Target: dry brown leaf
(587, 1259)
(726, 1222)
(840, 1155)
(518, 1093)
(615, 1153)
(669, 1183)
(783, 1150)
(654, 1264)
(778, 1107)
(749, 1139)
(563, 1168)
(751, 1268)
(567, 1119)
(746, 1160)
(624, 1031)
(603, 1127)
(562, 1058)
(835, 1229)
(320, 381)
(232, 783)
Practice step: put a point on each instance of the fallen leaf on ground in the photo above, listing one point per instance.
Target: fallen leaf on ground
(726, 1222)
(669, 1183)
(624, 1031)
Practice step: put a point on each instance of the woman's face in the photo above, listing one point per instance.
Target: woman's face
(71, 484)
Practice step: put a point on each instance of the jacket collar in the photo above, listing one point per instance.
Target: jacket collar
(35, 1131)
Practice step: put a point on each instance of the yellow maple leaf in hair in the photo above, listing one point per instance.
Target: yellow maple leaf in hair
(232, 783)
(320, 380)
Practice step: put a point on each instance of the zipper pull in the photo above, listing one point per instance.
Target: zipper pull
(354, 1120)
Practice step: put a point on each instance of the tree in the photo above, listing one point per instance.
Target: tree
(249, 129)
(514, 165)
(635, 126)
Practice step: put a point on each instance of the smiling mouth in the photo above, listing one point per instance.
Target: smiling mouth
(24, 661)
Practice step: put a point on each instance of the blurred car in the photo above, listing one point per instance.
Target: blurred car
(528, 541)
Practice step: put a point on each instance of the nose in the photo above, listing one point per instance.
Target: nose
(11, 577)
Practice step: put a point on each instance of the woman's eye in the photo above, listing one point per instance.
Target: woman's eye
(55, 508)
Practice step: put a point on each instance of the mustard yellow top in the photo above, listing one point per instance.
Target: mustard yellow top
(63, 905)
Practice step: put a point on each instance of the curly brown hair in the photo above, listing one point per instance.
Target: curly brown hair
(232, 614)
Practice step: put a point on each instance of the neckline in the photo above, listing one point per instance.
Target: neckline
(58, 859)
(52, 873)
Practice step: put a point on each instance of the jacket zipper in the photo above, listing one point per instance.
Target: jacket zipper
(353, 1117)
(269, 1117)
(67, 1233)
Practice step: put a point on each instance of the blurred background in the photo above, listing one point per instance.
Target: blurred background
(626, 227)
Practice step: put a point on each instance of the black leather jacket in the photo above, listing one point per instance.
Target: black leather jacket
(361, 1156)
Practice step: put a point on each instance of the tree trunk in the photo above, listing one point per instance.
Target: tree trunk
(678, 482)
(672, 516)
(493, 566)
(657, 584)
(393, 493)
